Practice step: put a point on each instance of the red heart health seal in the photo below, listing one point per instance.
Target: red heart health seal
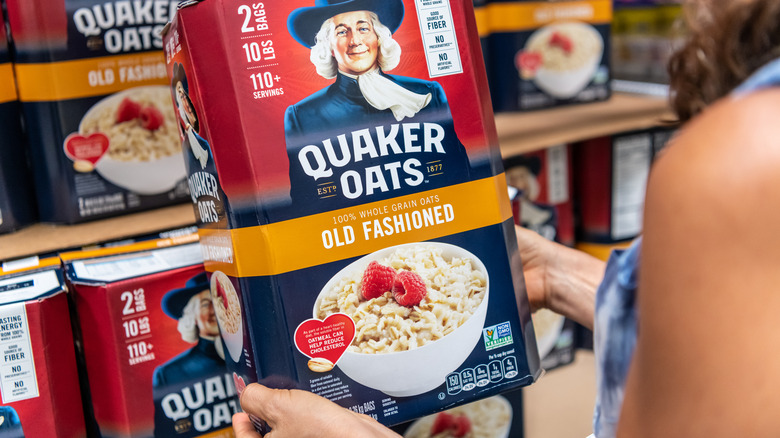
(90, 148)
(325, 341)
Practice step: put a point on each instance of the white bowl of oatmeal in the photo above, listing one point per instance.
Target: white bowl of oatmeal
(228, 311)
(570, 52)
(405, 351)
(489, 418)
(141, 157)
(547, 328)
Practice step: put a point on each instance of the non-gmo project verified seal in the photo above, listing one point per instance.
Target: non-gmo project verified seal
(497, 336)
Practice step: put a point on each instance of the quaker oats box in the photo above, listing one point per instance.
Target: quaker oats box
(541, 192)
(549, 53)
(610, 176)
(17, 197)
(499, 416)
(92, 82)
(540, 187)
(353, 211)
(39, 381)
(149, 341)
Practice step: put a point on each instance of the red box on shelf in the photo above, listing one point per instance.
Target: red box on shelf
(39, 379)
(150, 342)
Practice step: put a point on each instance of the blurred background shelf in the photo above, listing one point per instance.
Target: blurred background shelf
(517, 132)
(45, 238)
(524, 132)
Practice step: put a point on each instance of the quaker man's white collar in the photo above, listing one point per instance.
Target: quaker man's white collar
(382, 93)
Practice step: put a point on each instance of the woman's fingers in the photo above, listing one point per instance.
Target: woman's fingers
(243, 427)
(264, 402)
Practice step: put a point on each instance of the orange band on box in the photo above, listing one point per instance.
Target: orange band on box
(7, 268)
(601, 251)
(518, 16)
(7, 83)
(301, 243)
(145, 245)
(483, 21)
(89, 77)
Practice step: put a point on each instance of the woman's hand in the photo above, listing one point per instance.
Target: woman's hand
(538, 257)
(559, 278)
(301, 414)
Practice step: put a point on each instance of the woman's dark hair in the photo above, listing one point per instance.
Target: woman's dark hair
(727, 41)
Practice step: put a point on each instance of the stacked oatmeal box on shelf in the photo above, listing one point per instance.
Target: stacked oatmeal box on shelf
(39, 378)
(91, 79)
(610, 176)
(353, 211)
(549, 53)
(153, 362)
(17, 197)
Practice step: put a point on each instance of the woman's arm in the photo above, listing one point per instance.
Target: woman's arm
(707, 360)
(559, 278)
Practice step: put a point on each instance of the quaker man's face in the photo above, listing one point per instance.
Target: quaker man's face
(355, 45)
(207, 318)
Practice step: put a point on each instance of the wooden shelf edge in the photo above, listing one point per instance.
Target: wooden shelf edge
(519, 133)
(46, 238)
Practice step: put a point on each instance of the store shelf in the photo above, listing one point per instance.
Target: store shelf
(528, 131)
(518, 133)
(45, 238)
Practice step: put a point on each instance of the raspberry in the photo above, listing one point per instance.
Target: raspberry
(239, 382)
(456, 426)
(151, 118)
(377, 279)
(443, 422)
(462, 426)
(127, 110)
(221, 294)
(529, 60)
(561, 41)
(409, 288)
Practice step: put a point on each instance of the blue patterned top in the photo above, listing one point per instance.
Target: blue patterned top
(615, 323)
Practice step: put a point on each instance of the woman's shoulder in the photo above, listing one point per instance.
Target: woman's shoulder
(729, 152)
(708, 284)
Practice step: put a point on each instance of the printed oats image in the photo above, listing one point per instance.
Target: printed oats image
(320, 365)
(226, 303)
(412, 304)
(228, 310)
(144, 150)
(561, 58)
(487, 418)
(406, 300)
(547, 327)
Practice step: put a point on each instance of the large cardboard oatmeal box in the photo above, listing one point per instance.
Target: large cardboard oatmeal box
(17, 197)
(149, 341)
(549, 53)
(541, 191)
(611, 175)
(39, 380)
(91, 79)
(353, 211)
